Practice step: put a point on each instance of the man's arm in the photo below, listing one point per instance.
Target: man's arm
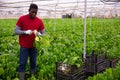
(18, 31)
(42, 31)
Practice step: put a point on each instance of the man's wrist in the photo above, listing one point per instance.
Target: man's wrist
(23, 32)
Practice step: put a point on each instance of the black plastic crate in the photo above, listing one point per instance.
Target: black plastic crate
(96, 58)
(69, 72)
(113, 62)
(96, 67)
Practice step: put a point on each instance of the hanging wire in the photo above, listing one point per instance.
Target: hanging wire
(73, 14)
(31, 1)
(55, 15)
(91, 13)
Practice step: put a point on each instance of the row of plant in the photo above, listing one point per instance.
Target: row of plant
(63, 42)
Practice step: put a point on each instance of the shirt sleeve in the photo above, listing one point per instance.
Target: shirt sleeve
(18, 31)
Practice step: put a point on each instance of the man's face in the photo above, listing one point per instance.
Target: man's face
(32, 13)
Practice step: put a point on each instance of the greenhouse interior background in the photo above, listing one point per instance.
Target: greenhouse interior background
(60, 8)
(82, 39)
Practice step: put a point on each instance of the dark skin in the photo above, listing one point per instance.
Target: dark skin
(32, 13)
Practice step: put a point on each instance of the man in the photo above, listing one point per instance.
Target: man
(27, 27)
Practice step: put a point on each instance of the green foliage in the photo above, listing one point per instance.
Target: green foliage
(63, 42)
(1, 71)
(109, 74)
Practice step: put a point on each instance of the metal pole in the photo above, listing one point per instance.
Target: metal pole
(85, 9)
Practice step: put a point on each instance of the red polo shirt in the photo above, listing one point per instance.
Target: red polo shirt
(27, 23)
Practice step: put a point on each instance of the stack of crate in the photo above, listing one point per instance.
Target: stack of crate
(69, 72)
(93, 64)
(96, 63)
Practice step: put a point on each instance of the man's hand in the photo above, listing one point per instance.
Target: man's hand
(36, 33)
(39, 34)
(28, 32)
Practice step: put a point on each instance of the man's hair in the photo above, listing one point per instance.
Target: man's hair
(33, 6)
